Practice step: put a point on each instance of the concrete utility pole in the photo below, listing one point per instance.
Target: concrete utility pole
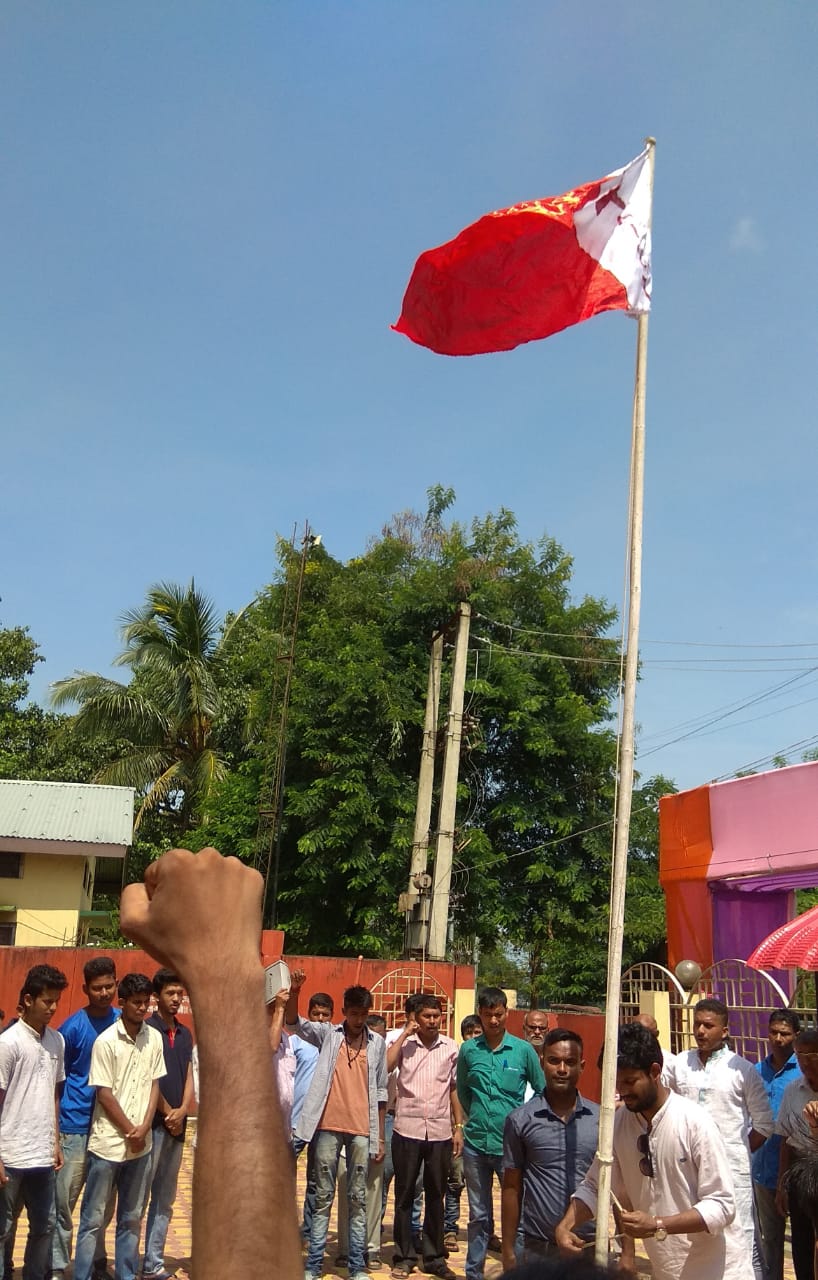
(415, 902)
(436, 949)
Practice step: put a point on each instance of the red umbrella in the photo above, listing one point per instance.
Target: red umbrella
(793, 945)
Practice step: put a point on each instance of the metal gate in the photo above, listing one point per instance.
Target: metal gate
(389, 995)
(655, 977)
(803, 1000)
(751, 995)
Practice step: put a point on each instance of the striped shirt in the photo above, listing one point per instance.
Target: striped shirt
(426, 1077)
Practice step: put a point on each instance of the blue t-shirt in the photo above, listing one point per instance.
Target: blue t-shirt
(77, 1102)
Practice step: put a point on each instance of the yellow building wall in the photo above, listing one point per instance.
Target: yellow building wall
(48, 898)
(464, 1004)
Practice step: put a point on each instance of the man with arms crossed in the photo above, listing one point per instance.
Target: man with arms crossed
(170, 1121)
(80, 1032)
(127, 1064)
(549, 1144)
(670, 1174)
(423, 1137)
(31, 1067)
(493, 1070)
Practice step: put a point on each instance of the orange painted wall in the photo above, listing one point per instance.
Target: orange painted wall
(685, 853)
(589, 1026)
(324, 973)
(333, 974)
(15, 963)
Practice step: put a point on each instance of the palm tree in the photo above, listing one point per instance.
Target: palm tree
(167, 713)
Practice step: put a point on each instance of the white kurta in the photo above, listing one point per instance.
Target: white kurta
(691, 1171)
(732, 1092)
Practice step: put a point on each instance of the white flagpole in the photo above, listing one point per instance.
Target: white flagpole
(619, 867)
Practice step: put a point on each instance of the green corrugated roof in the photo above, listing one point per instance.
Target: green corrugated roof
(72, 811)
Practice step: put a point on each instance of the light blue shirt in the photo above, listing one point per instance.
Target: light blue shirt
(306, 1059)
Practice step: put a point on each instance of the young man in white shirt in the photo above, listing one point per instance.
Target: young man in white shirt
(670, 1173)
(732, 1091)
(127, 1063)
(31, 1068)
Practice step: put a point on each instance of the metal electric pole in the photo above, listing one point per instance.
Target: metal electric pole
(438, 924)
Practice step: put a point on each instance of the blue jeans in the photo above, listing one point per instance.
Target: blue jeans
(129, 1179)
(454, 1190)
(309, 1195)
(166, 1161)
(35, 1188)
(479, 1170)
(69, 1185)
(328, 1147)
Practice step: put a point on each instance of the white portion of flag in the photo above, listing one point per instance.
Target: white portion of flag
(615, 230)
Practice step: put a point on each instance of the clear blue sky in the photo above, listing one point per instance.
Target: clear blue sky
(210, 215)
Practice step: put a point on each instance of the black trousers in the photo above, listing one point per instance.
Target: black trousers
(408, 1155)
(803, 1241)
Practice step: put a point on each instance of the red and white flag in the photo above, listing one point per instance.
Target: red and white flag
(526, 272)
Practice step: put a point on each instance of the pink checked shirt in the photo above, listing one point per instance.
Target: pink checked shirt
(425, 1080)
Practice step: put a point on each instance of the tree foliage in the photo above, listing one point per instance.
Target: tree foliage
(535, 800)
(167, 712)
(195, 728)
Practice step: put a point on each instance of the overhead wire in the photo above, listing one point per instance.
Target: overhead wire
(695, 644)
(668, 664)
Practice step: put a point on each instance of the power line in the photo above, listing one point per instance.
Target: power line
(762, 760)
(665, 664)
(693, 644)
(716, 718)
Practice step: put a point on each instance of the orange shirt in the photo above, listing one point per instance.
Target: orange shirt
(347, 1106)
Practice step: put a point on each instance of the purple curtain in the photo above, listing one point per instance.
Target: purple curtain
(745, 912)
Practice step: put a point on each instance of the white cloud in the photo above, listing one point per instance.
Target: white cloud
(746, 237)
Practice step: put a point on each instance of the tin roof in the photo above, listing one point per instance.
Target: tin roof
(70, 811)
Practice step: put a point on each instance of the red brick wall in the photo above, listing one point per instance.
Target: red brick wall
(324, 973)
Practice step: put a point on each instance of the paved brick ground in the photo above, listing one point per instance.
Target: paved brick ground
(177, 1254)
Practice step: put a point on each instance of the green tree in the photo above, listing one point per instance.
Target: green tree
(166, 715)
(538, 762)
(23, 726)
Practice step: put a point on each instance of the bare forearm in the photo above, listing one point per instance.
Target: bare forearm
(153, 1101)
(189, 1099)
(241, 1128)
(684, 1224)
(510, 1216)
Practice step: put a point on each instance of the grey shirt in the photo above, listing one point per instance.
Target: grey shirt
(328, 1040)
(553, 1156)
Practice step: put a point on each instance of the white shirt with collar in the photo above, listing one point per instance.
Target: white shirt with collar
(128, 1067)
(31, 1067)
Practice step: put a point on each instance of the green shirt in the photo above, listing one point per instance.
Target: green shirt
(490, 1083)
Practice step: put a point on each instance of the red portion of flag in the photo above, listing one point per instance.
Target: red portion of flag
(511, 277)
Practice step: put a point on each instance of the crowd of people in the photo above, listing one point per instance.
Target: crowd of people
(100, 1108)
(710, 1152)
